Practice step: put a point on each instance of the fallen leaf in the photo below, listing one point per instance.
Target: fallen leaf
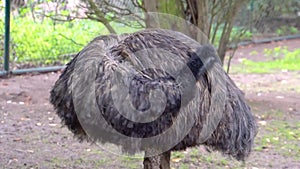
(17, 139)
(176, 160)
(291, 133)
(24, 118)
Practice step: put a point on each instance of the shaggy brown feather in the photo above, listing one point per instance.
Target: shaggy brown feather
(233, 135)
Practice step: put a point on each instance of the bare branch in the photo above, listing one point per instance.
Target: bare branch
(136, 4)
(100, 15)
(117, 9)
(230, 58)
(71, 40)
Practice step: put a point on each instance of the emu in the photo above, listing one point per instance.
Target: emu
(153, 91)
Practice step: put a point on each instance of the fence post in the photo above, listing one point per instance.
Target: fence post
(7, 34)
(251, 15)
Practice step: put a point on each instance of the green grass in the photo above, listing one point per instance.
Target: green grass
(282, 137)
(289, 61)
(200, 159)
(280, 134)
(184, 166)
(130, 163)
(45, 42)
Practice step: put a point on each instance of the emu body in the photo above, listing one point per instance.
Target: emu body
(233, 134)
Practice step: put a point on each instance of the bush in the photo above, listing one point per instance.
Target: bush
(290, 61)
(45, 42)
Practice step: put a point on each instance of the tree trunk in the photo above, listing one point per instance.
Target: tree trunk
(225, 37)
(151, 6)
(203, 16)
(157, 14)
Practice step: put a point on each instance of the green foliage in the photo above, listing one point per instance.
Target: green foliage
(277, 52)
(264, 8)
(47, 42)
(289, 61)
(286, 30)
(241, 34)
(237, 34)
(44, 42)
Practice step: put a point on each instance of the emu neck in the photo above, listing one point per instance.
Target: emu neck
(161, 161)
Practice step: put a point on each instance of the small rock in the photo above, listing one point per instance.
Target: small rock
(241, 59)
(30, 151)
(291, 109)
(279, 97)
(52, 124)
(263, 123)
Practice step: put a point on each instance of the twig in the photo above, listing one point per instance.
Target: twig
(230, 58)
(71, 40)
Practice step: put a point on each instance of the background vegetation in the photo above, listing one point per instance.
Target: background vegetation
(278, 59)
(50, 32)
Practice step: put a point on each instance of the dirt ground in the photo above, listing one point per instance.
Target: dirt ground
(31, 135)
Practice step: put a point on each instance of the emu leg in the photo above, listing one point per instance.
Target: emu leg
(152, 162)
(165, 160)
(161, 161)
